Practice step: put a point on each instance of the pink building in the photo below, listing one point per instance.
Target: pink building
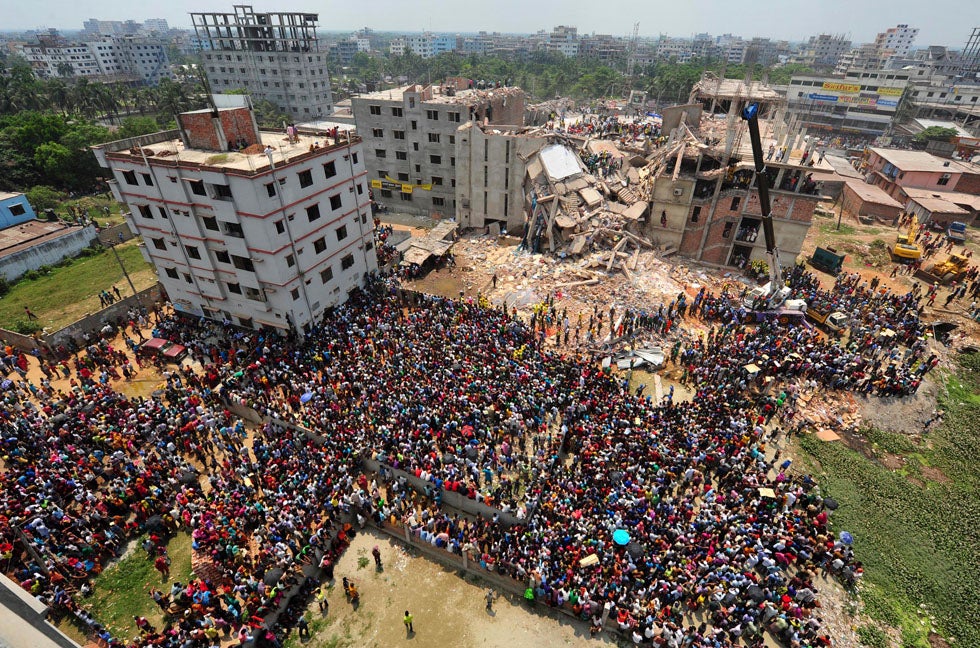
(893, 169)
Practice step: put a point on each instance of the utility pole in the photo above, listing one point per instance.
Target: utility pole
(116, 254)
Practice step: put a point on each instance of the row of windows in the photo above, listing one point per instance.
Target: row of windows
(432, 115)
(272, 59)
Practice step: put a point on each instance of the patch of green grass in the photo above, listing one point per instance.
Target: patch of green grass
(67, 293)
(920, 545)
(831, 228)
(318, 624)
(94, 206)
(122, 590)
(872, 637)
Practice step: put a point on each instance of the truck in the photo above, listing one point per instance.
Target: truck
(956, 232)
(770, 301)
(833, 321)
(827, 260)
(945, 272)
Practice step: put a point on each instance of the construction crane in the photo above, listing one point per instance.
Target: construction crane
(768, 301)
(631, 53)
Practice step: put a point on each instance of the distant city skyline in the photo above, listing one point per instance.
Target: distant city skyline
(942, 22)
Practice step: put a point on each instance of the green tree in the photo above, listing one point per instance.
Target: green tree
(936, 133)
(44, 197)
(135, 126)
(55, 161)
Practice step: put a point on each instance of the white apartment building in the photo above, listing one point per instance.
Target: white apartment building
(397, 47)
(136, 57)
(896, 41)
(271, 239)
(274, 56)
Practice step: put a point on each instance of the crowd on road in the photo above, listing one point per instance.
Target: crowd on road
(469, 400)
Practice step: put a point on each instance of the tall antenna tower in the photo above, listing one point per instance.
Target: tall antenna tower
(631, 54)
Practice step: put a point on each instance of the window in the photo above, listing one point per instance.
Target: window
(403, 177)
(374, 110)
(305, 178)
(129, 177)
(437, 181)
(163, 212)
(319, 245)
(326, 275)
(453, 117)
(381, 153)
(329, 169)
(341, 233)
(147, 179)
(187, 278)
(335, 202)
(728, 230)
(347, 262)
(159, 243)
(399, 134)
(280, 226)
(452, 161)
(353, 158)
(435, 159)
(735, 202)
(438, 202)
(415, 146)
(433, 138)
(290, 260)
(415, 125)
(294, 293)
(432, 114)
(943, 180)
(210, 223)
(270, 189)
(401, 155)
(197, 187)
(234, 229)
(378, 132)
(452, 139)
(193, 252)
(396, 112)
(360, 189)
(386, 193)
(254, 294)
(407, 197)
(696, 214)
(172, 273)
(145, 211)
(222, 256)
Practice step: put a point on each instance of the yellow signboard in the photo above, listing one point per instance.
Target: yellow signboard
(891, 92)
(394, 185)
(841, 87)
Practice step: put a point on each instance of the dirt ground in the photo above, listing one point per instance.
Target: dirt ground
(449, 610)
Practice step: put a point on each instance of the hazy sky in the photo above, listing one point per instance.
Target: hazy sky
(941, 22)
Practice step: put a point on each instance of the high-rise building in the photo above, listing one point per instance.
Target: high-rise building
(128, 58)
(274, 56)
(825, 50)
(158, 25)
(896, 41)
(410, 139)
(261, 229)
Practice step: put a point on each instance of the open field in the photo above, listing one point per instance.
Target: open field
(69, 292)
(911, 503)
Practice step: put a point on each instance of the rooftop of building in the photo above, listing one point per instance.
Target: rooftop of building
(939, 205)
(955, 197)
(712, 86)
(26, 235)
(921, 161)
(6, 195)
(167, 149)
(441, 94)
(871, 193)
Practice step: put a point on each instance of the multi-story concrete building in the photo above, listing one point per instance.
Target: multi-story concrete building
(825, 50)
(410, 138)
(274, 56)
(130, 58)
(428, 45)
(896, 41)
(862, 101)
(156, 25)
(397, 47)
(255, 228)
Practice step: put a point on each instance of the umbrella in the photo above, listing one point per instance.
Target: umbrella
(830, 504)
(7, 383)
(846, 538)
(272, 576)
(755, 593)
(154, 524)
(305, 398)
(635, 549)
(621, 537)
(188, 477)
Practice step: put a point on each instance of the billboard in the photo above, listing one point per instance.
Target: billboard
(820, 97)
(841, 87)
(891, 92)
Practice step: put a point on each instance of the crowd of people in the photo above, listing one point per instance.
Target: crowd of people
(469, 400)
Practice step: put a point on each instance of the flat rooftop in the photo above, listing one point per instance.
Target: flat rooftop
(5, 195)
(922, 161)
(33, 232)
(167, 149)
(461, 97)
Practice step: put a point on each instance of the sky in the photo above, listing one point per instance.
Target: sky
(941, 22)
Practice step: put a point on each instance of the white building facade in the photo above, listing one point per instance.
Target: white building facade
(266, 240)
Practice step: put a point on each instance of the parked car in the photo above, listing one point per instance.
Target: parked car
(169, 351)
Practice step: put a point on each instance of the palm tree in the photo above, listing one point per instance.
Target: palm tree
(59, 94)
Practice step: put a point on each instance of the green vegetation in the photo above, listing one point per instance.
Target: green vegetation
(831, 228)
(915, 529)
(935, 133)
(94, 207)
(122, 590)
(62, 294)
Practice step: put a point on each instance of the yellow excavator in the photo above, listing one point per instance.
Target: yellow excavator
(945, 272)
(905, 247)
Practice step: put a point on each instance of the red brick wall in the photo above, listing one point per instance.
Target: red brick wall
(969, 183)
(235, 122)
(854, 205)
(716, 246)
